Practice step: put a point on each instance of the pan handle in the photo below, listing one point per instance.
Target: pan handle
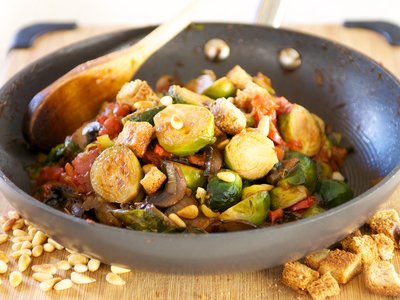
(390, 31)
(271, 12)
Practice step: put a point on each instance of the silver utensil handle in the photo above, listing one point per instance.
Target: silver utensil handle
(271, 12)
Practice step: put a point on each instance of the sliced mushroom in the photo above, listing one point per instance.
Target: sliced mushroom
(214, 161)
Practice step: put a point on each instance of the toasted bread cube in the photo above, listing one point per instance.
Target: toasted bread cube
(314, 259)
(239, 77)
(153, 180)
(137, 136)
(385, 246)
(227, 116)
(325, 286)
(341, 264)
(244, 97)
(388, 223)
(381, 278)
(298, 276)
(345, 243)
(365, 247)
(135, 91)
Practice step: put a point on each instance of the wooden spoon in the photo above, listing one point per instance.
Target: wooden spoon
(63, 106)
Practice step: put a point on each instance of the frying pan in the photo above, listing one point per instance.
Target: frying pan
(354, 94)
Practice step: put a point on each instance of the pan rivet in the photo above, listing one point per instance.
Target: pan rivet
(289, 58)
(216, 50)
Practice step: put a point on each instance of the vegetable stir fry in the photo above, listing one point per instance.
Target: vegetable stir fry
(211, 155)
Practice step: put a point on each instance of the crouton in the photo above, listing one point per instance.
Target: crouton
(348, 239)
(381, 278)
(365, 247)
(341, 264)
(137, 136)
(135, 91)
(325, 286)
(388, 223)
(239, 77)
(385, 246)
(252, 91)
(314, 259)
(153, 180)
(228, 117)
(298, 276)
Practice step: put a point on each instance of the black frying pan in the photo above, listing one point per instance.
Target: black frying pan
(354, 94)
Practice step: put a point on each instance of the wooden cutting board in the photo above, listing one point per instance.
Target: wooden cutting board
(143, 285)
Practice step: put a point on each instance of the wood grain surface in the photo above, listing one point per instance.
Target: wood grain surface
(143, 285)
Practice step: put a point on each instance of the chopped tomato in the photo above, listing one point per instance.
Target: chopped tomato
(150, 157)
(275, 215)
(49, 173)
(280, 152)
(294, 144)
(81, 175)
(112, 126)
(305, 203)
(160, 151)
(121, 110)
(274, 134)
(197, 160)
(101, 119)
(338, 156)
(284, 106)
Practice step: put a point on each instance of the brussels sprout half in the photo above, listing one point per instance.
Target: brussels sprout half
(223, 194)
(334, 192)
(222, 88)
(284, 197)
(255, 188)
(194, 177)
(251, 154)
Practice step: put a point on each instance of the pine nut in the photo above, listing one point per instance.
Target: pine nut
(17, 254)
(119, 270)
(3, 267)
(39, 238)
(226, 176)
(37, 251)
(18, 224)
(201, 194)
(55, 244)
(80, 268)
(75, 259)
(79, 278)
(48, 247)
(16, 246)
(63, 265)
(3, 257)
(338, 176)
(3, 238)
(26, 245)
(166, 100)
(26, 222)
(189, 212)
(7, 226)
(208, 212)
(21, 238)
(45, 268)
(48, 284)
(114, 279)
(177, 221)
(70, 251)
(221, 145)
(32, 231)
(63, 285)
(15, 278)
(19, 232)
(176, 122)
(41, 276)
(23, 262)
(143, 104)
(93, 265)
(263, 126)
(13, 214)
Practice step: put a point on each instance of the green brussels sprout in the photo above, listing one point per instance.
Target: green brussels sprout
(305, 172)
(324, 170)
(222, 88)
(184, 96)
(334, 192)
(255, 188)
(143, 116)
(222, 194)
(148, 219)
(299, 128)
(194, 177)
(284, 197)
(196, 129)
(251, 154)
(253, 209)
(312, 211)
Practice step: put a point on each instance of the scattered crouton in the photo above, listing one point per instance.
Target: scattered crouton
(135, 91)
(381, 278)
(137, 136)
(385, 246)
(252, 91)
(388, 223)
(227, 116)
(365, 247)
(348, 239)
(298, 276)
(325, 286)
(341, 264)
(153, 180)
(239, 77)
(314, 259)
